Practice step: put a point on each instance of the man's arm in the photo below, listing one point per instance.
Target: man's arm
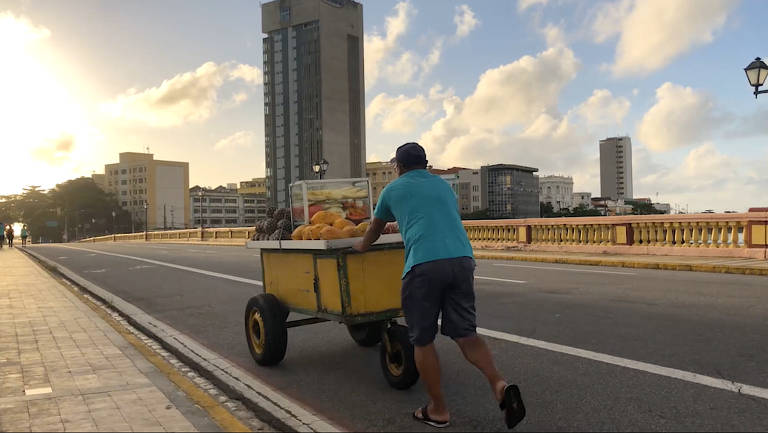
(371, 235)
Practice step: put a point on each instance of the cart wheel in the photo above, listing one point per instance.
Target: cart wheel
(366, 334)
(265, 329)
(398, 364)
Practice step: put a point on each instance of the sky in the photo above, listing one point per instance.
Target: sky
(528, 82)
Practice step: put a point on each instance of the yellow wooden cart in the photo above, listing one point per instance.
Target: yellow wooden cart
(328, 281)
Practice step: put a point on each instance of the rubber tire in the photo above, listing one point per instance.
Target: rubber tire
(366, 334)
(275, 332)
(398, 336)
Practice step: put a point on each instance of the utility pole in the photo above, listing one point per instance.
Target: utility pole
(165, 219)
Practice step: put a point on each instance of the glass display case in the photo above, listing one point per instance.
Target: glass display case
(349, 198)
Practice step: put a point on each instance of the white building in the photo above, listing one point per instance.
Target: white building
(557, 191)
(224, 207)
(582, 198)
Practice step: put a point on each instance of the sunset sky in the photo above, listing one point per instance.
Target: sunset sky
(530, 82)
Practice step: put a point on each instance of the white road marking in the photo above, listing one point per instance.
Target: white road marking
(91, 255)
(171, 265)
(686, 376)
(499, 279)
(564, 269)
(133, 268)
(62, 257)
(96, 271)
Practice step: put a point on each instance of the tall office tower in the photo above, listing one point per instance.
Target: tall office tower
(314, 92)
(616, 168)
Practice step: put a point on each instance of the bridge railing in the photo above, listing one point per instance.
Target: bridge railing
(725, 235)
(732, 235)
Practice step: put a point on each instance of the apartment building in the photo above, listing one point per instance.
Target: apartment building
(616, 168)
(379, 174)
(582, 198)
(138, 180)
(225, 207)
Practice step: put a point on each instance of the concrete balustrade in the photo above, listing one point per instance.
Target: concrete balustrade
(717, 235)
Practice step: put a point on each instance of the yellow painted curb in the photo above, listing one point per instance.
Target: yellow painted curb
(722, 269)
(220, 415)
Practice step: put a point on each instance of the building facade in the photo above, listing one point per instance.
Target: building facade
(314, 91)
(557, 191)
(510, 191)
(582, 198)
(139, 179)
(467, 186)
(379, 174)
(616, 168)
(257, 185)
(225, 207)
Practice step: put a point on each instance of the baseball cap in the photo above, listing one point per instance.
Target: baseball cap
(410, 155)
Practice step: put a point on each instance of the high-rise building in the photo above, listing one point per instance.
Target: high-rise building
(510, 191)
(466, 184)
(556, 191)
(314, 92)
(616, 168)
(139, 179)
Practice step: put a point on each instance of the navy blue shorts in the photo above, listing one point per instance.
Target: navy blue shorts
(442, 287)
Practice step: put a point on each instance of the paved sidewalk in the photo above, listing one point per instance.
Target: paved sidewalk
(675, 263)
(63, 368)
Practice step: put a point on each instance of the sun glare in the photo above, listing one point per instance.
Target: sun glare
(43, 124)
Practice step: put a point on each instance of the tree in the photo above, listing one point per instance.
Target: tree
(643, 208)
(482, 214)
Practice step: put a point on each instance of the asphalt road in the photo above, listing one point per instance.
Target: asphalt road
(714, 325)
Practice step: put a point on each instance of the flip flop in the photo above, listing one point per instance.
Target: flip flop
(429, 421)
(512, 405)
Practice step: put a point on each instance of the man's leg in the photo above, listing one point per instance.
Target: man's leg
(428, 365)
(476, 352)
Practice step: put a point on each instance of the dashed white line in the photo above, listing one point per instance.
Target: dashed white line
(499, 279)
(171, 265)
(674, 373)
(564, 269)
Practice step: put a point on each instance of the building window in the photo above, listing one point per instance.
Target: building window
(141, 180)
(215, 221)
(230, 221)
(217, 211)
(475, 188)
(230, 200)
(123, 192)
(215, 200)
(125, 203)
(197, 200)
(123, 182)
(249, 201)
(123, 171)
(250, 211)
(230, 211)
(197, 210)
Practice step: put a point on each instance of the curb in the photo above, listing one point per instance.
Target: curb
(721, 269)
(266, 403)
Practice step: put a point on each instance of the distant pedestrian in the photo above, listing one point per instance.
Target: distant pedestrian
(9, 236)
(24, 235)
(2, 235)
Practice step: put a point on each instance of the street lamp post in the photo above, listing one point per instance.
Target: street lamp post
(757, 71)
(146, 219)
(114, 228)
(200, 196)
(320, 167)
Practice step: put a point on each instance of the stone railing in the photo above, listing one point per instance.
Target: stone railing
(718, 235)
(727, 235)
(236, 235)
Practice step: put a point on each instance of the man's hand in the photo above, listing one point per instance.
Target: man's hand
(360, 246)
(371, 235)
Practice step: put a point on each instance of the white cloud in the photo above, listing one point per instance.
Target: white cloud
(654, 32)
(239, 97)
(378, 47)
(602, 108)
(681, 117)
(249, 74)
(525, 4)
(705, 178)
(465, 21)
(554, 35)
(187, 97)
(239, 140)
(398, 113)
(522, 94)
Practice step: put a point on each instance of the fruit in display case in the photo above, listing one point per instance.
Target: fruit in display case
(348, 192)
(325, 217)
(313, 231)
(330, 233)
(350, 231)
(277, 226)
(361, 228)
(298, 234)
(391, 228)
(342, 223)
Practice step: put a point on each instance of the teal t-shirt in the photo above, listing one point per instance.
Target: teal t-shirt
(426, 210)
